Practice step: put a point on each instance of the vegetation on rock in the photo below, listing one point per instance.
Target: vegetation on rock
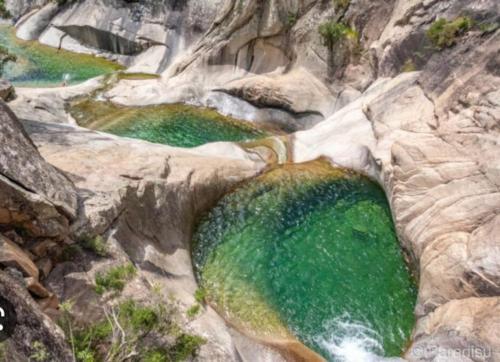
(200, 295)
(334, 34)
(408, 66)
(444, 33)
(193, 311)
(95, 244)
(40, 353)
(4, 13)
(114, 279)
(132, 332)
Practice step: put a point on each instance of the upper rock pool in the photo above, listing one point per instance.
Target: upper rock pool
(309, 252)
(177, 125)
(38, 65)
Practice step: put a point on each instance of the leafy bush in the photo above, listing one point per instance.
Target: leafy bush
(200, 295)
(488, 27)
(292, 19)
(40, 353)
(121, 335)
(185, 346)
(156, 355)
(444, 33)
(114, 279)
(193, 311)
(408, 66)
(139, 318)
(95, 244)
(332, 32)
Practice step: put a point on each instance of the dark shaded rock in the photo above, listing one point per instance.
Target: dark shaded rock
(7, 91)
(33, 326)
(13, 256)
(104, 40)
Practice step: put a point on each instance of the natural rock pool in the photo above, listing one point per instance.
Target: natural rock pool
(172, 124)
(309, 251)
(38, 65)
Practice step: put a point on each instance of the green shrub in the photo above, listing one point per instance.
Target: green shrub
(140, 319)
(95, 244)
(193, 311)
(444, 33)
(408, 66)
(156, 355)
(488, 27)
(291, 19)
(114, 279)
(332, 32)
(3, 352)
(40, 353)
(185, 346)
(85, 341)
(132, 321)
(200, 295)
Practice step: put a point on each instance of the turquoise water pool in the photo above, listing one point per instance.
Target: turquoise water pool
(38, 65)
(309, 250)
(171, 124)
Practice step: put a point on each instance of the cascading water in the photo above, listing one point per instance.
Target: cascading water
(346, 340)
(309, 252)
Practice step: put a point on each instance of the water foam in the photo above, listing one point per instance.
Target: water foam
(346, 340)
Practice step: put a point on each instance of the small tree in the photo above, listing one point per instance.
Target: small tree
(333, 33)
(444, 33)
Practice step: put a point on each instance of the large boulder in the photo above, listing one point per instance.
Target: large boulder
(147, 35)
(144, 199)
(34, 196)
(34, 331)
(11, 255)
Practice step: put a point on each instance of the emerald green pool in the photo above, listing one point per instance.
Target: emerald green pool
(171, 124)
(309, 250)
(38, 65)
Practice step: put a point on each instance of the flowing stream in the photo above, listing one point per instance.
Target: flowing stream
(38, 65)
(309, 251)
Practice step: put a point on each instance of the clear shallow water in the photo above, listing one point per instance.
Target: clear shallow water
(174, 124)
(38, 65)
(312, 250)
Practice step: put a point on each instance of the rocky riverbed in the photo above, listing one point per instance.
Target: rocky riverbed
(405, 98)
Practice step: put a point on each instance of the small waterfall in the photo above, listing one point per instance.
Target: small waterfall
(351, 341)
(66, 78)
